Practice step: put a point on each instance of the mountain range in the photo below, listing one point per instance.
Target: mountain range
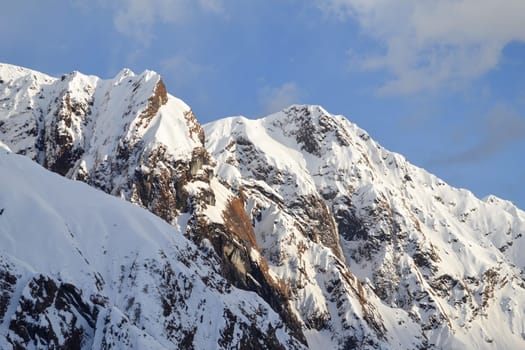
(293, 231)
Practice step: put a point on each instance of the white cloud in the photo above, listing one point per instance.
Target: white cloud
(135, 18)
(215, 6)
(501, 127)
(273, 99)
(183, 70)
(427, 44)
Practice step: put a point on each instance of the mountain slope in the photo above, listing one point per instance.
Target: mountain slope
(80, 267)
(432, 261)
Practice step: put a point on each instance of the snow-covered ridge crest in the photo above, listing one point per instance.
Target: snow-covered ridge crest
(90, 105)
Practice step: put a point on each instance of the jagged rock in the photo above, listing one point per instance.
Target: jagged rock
(52, 315)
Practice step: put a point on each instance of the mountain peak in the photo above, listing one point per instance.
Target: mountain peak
(124, 73)
(309, 110)
(313, 127)
(9, 74)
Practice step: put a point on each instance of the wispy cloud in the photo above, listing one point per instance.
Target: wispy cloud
(429, 44)
(183, 71)
(136, 18)
(274, 99)
(500, 128)
(214, 6)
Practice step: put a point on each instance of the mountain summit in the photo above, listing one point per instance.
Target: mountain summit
(292, 231)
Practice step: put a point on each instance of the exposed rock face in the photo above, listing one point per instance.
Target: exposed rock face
(7, 287)
(157, 100)
(44, 299)
(292, 224)
(241, 261)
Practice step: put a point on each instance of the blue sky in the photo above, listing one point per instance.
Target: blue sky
(441, 82)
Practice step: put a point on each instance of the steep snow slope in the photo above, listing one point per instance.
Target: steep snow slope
(78, 267)
(434, 266)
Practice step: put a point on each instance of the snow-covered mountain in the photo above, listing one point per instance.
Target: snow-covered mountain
(345, 244)
(435, 265)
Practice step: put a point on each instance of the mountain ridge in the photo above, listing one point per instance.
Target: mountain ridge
(351, 245)
(363, 192)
